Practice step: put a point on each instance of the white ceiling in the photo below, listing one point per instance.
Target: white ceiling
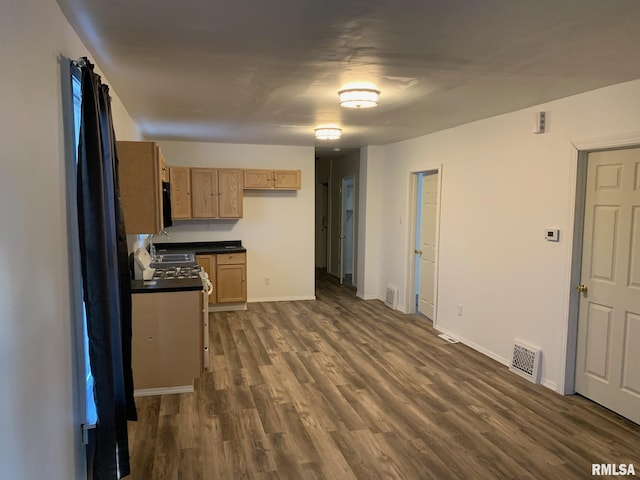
(268, 72)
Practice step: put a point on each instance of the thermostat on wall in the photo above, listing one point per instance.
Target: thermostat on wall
(552, 235)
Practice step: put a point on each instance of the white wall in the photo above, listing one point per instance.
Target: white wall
(277, 228)
(371, 223)
(501, 187)
(38, 430)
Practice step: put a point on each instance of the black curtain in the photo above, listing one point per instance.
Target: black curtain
(106, 280)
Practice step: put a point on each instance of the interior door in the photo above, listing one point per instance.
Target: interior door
(427, 251)
(347, 229)
(608, 354)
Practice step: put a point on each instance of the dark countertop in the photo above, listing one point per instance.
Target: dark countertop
(201, 248)
(183, 284)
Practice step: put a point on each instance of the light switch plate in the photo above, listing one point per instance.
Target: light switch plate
(552, 235)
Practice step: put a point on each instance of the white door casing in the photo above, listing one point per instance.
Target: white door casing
(428, 245)
(608, 351)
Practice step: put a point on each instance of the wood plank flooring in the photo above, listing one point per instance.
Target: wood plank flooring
(341, 388)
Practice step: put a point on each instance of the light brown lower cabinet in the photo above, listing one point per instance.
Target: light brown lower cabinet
(232, 284)
(167, 339)
(228, 273)
(231, 278)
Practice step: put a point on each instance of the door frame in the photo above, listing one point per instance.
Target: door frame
(342, 236)
(411, 246)
(580, 150)
(322, 225)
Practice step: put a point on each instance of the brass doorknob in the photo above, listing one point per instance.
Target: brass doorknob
(581, 289)
(419, 252)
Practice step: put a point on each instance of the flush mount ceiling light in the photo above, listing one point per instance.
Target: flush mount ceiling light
(359, 97)
(328, 133)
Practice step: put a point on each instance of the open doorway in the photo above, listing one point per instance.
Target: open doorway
(337, 186)
(426, 200)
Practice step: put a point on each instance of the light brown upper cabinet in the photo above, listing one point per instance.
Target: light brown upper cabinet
(257, 179)
(141, 169)
(229, 193)
(180, 192)
(206, 192)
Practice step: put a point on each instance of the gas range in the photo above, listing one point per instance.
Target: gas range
(168, 273)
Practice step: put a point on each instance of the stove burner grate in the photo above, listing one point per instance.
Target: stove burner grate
(171, 273)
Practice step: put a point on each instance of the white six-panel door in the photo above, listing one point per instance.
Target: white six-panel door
(608, 357)
(426, 294)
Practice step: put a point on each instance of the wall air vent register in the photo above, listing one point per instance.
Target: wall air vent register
(526, 361)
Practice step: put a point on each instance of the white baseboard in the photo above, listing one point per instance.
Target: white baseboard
(227, 307)
(475, 346)
(281, 299)
(145, 392)
(545, 382)
(369, 297)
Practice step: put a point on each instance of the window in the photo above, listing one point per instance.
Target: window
(90, 412)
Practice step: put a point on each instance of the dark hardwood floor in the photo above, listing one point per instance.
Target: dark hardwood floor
(340, 388)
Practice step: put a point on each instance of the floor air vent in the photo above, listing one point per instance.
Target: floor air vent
(526, 361)
(391, 299)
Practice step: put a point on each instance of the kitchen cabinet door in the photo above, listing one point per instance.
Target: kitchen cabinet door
(231, 277)
(204, 193)
(258, 179)
(208, 263)
(286, 179)
(140, 174)
(231, 283)
(180, 192)
(230, 193)
(164, 170)
(255, 179)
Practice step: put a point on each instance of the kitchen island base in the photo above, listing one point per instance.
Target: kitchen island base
(167, 341)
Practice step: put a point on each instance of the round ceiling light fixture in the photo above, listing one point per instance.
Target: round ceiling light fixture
(328, 133)
(359, 97)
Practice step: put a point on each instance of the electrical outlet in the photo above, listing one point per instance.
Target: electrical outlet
(267, 281)
(459, 309)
